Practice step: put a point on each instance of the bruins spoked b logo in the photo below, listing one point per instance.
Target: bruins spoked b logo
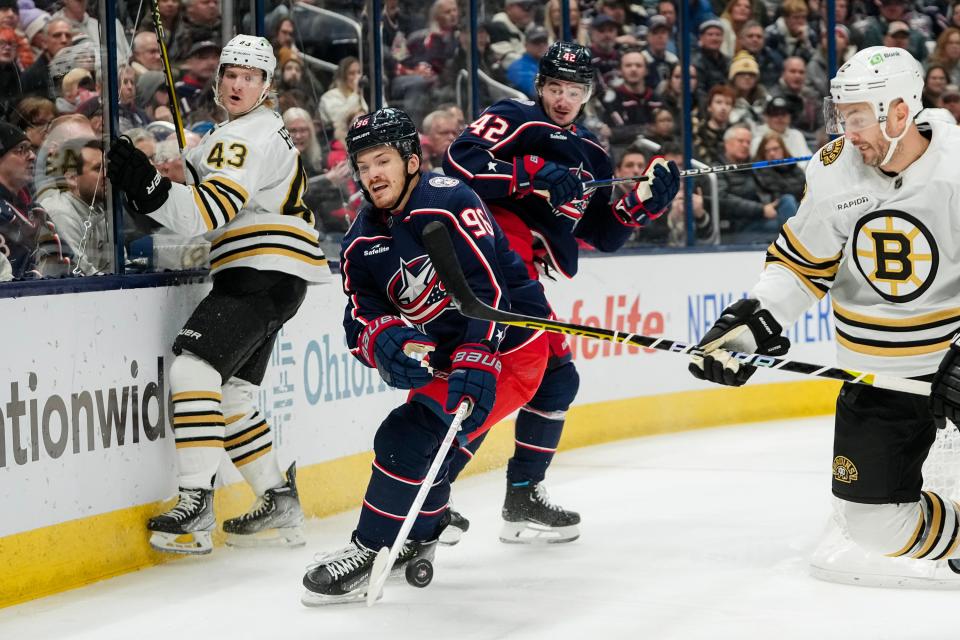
(896, 254)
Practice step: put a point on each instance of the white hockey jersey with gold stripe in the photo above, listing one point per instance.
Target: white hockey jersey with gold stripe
(887, 248)
(246, 199)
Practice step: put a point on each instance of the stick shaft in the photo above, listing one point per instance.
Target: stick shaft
(690, 173)
(168, 71)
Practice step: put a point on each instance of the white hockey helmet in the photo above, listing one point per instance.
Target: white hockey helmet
(877, 76)
(247, 51)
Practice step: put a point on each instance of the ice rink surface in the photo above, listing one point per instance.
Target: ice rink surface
(703, 534)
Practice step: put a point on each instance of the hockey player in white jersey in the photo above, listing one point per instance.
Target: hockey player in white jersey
(246, 199)
(877, 229)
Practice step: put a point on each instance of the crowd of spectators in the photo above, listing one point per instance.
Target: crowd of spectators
(758, 71)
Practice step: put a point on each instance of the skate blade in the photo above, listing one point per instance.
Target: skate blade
(197, 543)
(526, 532)
(450, 536)
(311, 599)
(285, 537)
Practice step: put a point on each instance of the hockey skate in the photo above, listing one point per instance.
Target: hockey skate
(530, 518)
(187, 526)
(274, 520)
(454, 529)
(342, 576)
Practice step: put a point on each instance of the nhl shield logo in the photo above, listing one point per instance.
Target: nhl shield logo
(844, 470)
(417, 292)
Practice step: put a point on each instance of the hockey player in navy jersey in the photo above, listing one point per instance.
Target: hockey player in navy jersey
(397, 308)
(528, 161)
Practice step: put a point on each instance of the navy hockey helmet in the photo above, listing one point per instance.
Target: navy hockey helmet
(385, 126)
(567, 61)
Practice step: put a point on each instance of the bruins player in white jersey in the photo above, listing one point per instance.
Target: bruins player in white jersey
(246, 198)
(877, 230)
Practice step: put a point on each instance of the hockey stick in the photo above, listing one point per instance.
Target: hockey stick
(383, 563)
(168, 71)
(691, 173)
(437, 241)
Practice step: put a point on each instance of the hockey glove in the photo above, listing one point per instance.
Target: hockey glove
(474, 370)
(945, 387)
(385, 343)
(130, 170)
(533, 173)
(650, 198)
(743, 327)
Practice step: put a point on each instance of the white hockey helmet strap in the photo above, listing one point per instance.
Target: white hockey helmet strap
(254, 52)
(879, 76)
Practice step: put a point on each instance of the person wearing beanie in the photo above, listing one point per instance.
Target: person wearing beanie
(57, 34)
(750, 96)
(152, 92)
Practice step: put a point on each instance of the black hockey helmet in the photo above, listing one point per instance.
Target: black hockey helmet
(566, 61)
(385, 126)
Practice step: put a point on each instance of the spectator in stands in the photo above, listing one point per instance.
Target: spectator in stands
(345, 94)
(659, 60)
(295, 78)
(284, 36)
(777, 181)
(554, 26)
(33, 21)
(129, 114)
(523, 71)
(82, 23)
(951, 100)
(677, 216)
(770, 61)
(195, 88)
(806, 106)
(25, 230)
(791, 35)
(708, 140)
(898, 35)
(508, 29)
(631, 21)
(749, 95)
(145, 54)
(872, 29)
(397, 27)
(152, 92)
(36, 79)
(735, 15)
(946, 53)
(10, 19)
(33, 115)
(10, 85)
(200, 23)
(170, 16)
(671, 94)
(712, 66)
(489, 63)
(668, 10)
(663, 129)
(79, 217)
(440, 129)
(628, 108)
(603, 48)
(934, 84)
(744, 216)
(818, 75)
(777, 116)
(436, 44)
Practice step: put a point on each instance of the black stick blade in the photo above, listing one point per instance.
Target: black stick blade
(443, 255)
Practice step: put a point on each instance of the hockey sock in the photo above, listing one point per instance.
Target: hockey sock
(927, 529)
(249, 440)
(463, 454)
(537, 436)
(197, 420)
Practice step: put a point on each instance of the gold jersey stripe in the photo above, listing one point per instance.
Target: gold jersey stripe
(206, 418)
(266, 251)
(266, 229)
(956, 536)
(197, 395)
(936, 526)
(233, 419)
(247, 437)
(241, 192)
(803, 251)
(802, 278)
(829, 272)
(200, 443)
(913, 538)
(228, 208)
(925, 318)
(205, 214)
(871, 350)
(247, 459)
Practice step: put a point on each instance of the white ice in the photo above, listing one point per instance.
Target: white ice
(703, 534)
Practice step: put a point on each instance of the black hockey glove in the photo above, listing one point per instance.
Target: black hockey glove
(743, 327)
(650, 199)
(474, 369)
(533, 173)
(945, 387)
(130, 170)
(387, 343)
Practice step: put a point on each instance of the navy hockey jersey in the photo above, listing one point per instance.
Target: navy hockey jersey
(386, 271)
(483, 156)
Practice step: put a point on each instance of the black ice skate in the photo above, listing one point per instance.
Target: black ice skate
(186, 527)
(343, 576)
(454, 529)
(274, 520)
(530, 518)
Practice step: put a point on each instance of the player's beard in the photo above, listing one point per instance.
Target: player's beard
(877, 152)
